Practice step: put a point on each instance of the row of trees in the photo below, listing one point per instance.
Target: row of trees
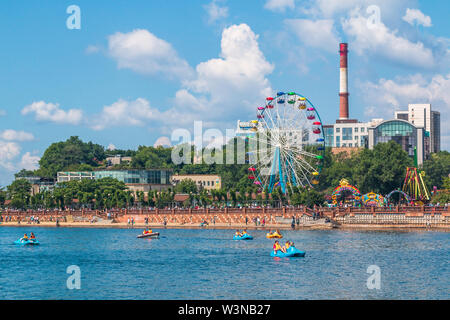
(380, 170)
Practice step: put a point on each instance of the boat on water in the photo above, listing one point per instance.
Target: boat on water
(274, 235)
(22, 241)
(290, 252)
(245, 236)
(149, 235)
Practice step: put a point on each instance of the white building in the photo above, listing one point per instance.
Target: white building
(348, 133)
(422, 116)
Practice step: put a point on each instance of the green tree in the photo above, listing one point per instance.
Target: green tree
(19, 193)
(2, 198)
(71, 153)
(382, 169)
(186, 186)
(436, 169)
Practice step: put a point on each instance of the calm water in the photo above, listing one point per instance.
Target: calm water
(206, 264)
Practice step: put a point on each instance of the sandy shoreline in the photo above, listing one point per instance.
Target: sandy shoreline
(140, 226)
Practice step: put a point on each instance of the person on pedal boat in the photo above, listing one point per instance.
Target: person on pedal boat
(277, 247)
(32, 236)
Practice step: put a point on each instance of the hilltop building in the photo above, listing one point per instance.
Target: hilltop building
(118, 159)
(203, 181)
(39, 184)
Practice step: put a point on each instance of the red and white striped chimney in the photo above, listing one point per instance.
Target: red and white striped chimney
(343, 88)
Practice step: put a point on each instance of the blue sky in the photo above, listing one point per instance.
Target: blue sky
(137, 70)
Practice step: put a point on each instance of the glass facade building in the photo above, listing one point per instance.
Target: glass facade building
(402, 132)
(136, 176)
(157, 176)
(328, 132)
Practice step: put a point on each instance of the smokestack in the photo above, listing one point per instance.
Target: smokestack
(343, 89)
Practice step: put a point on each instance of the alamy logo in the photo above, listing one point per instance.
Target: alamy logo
(374, 19)
(374, 281)
(74, 281)
(74, 20)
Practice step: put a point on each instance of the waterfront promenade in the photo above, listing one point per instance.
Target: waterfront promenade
(320, 218)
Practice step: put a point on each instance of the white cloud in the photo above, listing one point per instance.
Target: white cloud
(8, 151)
(29, 162)
(162, 141)
(215, 12)
(51, 112)
(417, 15)
(389, 10)
(143, 52)
(412, 89)
(13, 135)
(228, 87)
(377, 39)
(319, 33)
(279, 5)
(125, 113)
(111, 147)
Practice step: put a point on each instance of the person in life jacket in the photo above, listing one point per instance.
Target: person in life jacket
(277, 246)
(25, 237)
(32, 237)
(237, 233)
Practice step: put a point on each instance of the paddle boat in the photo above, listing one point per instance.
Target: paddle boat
(274, 235)
(23, 241)
(149, 235)
(290, 252)
(245, 236)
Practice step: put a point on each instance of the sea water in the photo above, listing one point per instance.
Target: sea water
(208, 264)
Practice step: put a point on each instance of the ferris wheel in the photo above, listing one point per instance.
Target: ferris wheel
(287, 145)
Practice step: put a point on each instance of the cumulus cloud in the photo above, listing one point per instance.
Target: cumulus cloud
(143, 52)
(315, 33)
(390, 10)
(8, 151)
(377, 39)
(215, 11)
(230, 86)
(13, 135)
(162, 141)
(29, 162)
(111, 147)
(415, 15)
(412, 89)
(51, 112)
(279, 5)
(124, 113)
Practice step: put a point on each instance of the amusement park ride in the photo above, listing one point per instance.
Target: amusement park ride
(415, 186)
(288, 146)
